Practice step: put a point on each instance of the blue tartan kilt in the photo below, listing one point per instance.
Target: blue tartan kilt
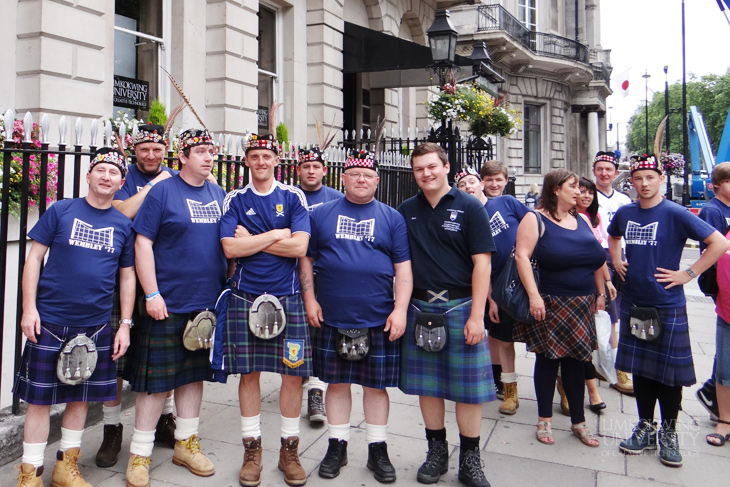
(668, 359)
(378, 370)
(37, 383)
(239, 351)
(158, 361)
(460, 372)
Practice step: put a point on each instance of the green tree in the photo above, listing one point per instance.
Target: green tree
(711, 95)
(158, 115)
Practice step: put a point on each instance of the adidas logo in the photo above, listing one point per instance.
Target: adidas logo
(250, 212)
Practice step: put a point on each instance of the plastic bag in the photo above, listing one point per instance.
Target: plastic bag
(603, 358)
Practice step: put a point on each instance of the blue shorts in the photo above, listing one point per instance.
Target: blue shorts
(722, 352)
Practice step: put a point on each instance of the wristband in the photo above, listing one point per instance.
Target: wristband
(150, 183)
(151, 296)
(691, 273)
(126, 322)
(601, 296)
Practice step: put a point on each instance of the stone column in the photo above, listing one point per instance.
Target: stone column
(593, 127)
(325, 27)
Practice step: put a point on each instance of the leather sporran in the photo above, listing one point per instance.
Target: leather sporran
(353, 344)
(644, 323)
(431, 331)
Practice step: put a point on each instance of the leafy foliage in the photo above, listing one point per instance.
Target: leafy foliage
(158, 114)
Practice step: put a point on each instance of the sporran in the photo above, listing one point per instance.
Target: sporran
(431, 332)
(77, 360)
(353, 344)
(266, 318)
(198, 332)
(644, 323)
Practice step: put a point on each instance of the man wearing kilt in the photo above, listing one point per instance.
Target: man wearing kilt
(655, 230)
(451, 244)
(71, 298)
(182, 269)
(359, 246)
(149, 148)
(311, 170)
(265, 227)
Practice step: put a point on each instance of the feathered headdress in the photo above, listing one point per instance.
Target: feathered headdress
(659, 137)
(180, 107)
(317, 153)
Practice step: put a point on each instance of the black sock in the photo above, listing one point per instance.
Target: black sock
(468, 443)
(497, 372)
(438, 435)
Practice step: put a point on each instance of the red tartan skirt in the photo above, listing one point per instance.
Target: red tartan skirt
(569, 329)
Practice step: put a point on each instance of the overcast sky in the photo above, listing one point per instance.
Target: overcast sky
(647, 35)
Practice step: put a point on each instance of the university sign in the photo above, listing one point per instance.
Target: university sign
(131, 93)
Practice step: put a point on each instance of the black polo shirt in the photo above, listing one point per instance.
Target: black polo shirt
(443, 239)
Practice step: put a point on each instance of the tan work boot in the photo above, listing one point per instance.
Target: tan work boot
(30, 476)
(289, 462)
(187, 454)
(511, 402)
(250, 475)
(624, 385)
(66, 472)
(563, 398)
(138, 471)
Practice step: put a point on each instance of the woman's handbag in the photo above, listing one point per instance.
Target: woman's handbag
(508, 291)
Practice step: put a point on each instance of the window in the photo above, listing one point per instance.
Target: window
(527, 13)
(532, 129)
(267, 66)
(137, 43)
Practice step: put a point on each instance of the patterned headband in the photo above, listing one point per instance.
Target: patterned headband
(361, 158)
(193, 137)
(150, 133)
(607, 157)
(262, 142)
(647, 162)
(466, 171)
(312, 155)
(110, 156)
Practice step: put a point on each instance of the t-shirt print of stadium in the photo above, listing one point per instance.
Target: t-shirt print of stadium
(84, 235)
(350, 229)
(497, 224)
(200, 213)
(641, 235)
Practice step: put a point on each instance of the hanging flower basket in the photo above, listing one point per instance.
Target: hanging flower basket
(673, 164)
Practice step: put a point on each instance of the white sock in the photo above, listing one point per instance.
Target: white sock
(112, 414)
(340, 431)
(33, 453)
(169, 402)
(316, 383)
(186, 427)
(614, 352)
(376, 433)
(251, 426)
(289, 427)
(70, 439)
(509, 377)
(142, 443)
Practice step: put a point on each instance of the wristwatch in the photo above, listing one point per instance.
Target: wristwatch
(601, 296)
(126, 322)
(691, 273)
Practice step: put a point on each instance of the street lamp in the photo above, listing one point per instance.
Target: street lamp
(646, 77)
(442, 39)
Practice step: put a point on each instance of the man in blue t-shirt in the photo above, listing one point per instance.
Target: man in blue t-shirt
(450, 244)
(359, 246)
(311, 171)
(505, 214)
(87, 242)
(654, 340)
(149, 144)
(717, 213)
(265, 227)
(177, 245)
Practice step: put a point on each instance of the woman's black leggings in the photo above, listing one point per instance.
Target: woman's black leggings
(573, 374)
(648, 391)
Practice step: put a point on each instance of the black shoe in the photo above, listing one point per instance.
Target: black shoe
(708, 399)
(315, 406)
(436, 464)
(110, 447)
(470, 469)
(165, 431)
(379, 463)
(669, 453)
(335, 458)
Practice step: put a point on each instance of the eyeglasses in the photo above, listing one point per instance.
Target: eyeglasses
(357, 175)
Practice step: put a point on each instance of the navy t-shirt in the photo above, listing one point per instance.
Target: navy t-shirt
(87, 246)
(655, 237)
(505, 214)
(717, 214)
(568, 259)
(444, 239)
(322, 195)
(183, 221)
(355, 247)
(136, 180)
(283, 206)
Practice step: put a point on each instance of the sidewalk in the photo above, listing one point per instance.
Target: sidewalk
(511, 454)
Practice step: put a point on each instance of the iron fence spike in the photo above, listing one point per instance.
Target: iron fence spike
(8, 120)
(94, 130)
(78, 130)
(45, 126)
(108, 134)
(28, 126)
(135, 131)
(62, 130)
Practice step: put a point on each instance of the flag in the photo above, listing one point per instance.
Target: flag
(621, 83)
